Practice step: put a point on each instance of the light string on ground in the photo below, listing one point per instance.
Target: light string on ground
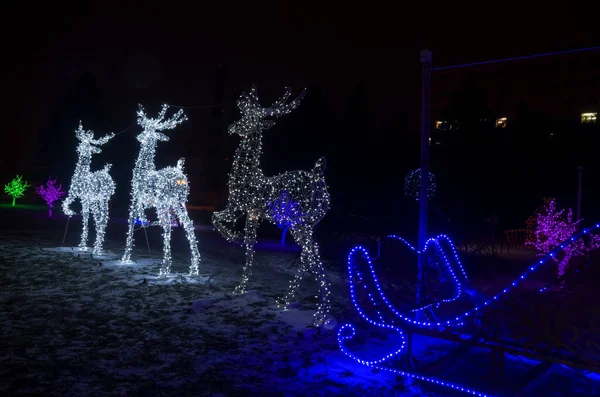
(343, 335)
(355, 278)
(528, 272)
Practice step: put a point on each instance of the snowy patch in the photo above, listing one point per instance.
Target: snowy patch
(75, 325)
(296, 319)
(84, 252)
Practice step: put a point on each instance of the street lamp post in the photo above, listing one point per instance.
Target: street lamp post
(423, 197)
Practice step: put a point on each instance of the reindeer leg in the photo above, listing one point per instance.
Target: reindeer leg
(165, 221)
(228, 215)
(311, 260)
(85, 214)
(66, 204)
(316, 265)
(101, 220)
(188, 225)
(95, 211)
(129, 242)
(249, 240)
(295, 283)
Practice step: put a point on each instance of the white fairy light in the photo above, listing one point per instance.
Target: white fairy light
(296, 199)
(164, 190)
(93, 189)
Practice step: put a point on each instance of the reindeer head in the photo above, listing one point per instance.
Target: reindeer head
(152, 127)
(253, 115)
(87, 145)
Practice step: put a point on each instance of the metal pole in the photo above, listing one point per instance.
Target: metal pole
(148, 243)
(423, 199)
(579, 191)
(65, 235)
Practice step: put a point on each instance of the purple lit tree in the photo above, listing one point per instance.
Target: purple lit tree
(552, 228)
(51, 192)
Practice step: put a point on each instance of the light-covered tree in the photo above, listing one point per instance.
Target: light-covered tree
(16, 188)
(552, 228)
(50, 192)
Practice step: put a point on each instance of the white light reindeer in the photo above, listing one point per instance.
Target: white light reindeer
(162, 190)
(297, 199)
(93, 189)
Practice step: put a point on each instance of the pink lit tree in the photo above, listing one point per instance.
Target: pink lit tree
(552, 228)
(50, 193)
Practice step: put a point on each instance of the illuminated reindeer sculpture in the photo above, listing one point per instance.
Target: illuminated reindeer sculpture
(260, 197)
(93, 189)
(162, 190)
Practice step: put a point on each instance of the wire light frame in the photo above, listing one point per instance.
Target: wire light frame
(93, 189)
(412, 185)
(166, 190)
(295, 199)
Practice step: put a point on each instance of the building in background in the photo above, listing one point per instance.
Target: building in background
(589, 118)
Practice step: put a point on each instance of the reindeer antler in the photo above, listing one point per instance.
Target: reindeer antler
(103, 140)
(159, 123)
(283, 98)
(280, 107)
(82, 134)
(88, 136)
(249, 103)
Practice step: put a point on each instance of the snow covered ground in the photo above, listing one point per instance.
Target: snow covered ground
(74, 325)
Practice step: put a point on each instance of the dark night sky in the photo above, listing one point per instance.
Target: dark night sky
(332, 47)
(163, 52)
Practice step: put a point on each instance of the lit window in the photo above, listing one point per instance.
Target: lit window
(501, 122)
(588, 118)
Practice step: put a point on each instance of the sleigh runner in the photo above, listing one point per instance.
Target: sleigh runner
(462, 315)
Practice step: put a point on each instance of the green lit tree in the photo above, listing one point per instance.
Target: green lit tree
(16, 188)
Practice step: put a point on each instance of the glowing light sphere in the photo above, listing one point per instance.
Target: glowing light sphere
(93, 189)
(412, 185)
(297, 200)
(166, 190)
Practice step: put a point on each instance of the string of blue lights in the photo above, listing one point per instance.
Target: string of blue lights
(380, 303)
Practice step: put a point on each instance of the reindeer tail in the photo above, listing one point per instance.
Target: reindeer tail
(320, 166)
(107, 167)
(180, 163)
